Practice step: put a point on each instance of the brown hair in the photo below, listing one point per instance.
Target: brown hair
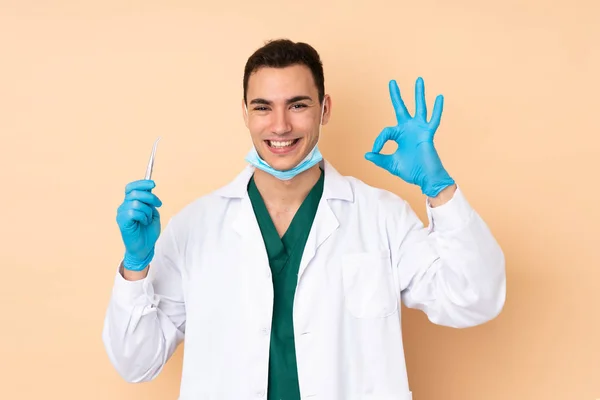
(282, 53)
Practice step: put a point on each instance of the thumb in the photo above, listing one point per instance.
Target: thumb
(381, 160)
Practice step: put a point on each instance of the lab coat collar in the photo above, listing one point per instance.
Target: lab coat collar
(336, 186)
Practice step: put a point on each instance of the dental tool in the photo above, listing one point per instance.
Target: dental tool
(151, 162)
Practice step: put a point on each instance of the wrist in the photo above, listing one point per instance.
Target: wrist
(131, 263)
(434, 183)
(130, 275)
(443, 196)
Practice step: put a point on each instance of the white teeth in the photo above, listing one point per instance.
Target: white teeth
(280, 144)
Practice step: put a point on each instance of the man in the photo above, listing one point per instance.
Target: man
(287, 282)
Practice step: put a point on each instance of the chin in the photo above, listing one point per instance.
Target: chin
(282, 164)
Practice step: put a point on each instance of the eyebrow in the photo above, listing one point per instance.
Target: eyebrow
(288, 101)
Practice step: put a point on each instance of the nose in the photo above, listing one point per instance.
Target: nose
(280, 124)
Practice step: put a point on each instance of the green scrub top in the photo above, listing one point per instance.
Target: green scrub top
(284, 254)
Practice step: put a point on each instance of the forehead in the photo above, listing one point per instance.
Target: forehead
(281, 83)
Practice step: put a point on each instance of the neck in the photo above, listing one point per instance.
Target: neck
(286, 194)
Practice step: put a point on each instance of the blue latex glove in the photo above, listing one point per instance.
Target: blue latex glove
(139, 222)
(415, 161)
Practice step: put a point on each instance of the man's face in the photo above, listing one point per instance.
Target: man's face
(284, 114)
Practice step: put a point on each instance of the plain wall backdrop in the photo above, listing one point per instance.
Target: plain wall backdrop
(86, 88)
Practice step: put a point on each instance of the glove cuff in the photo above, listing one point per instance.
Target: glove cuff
(436, 187)
(134, 264)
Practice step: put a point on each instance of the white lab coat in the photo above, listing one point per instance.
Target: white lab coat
(367, 251)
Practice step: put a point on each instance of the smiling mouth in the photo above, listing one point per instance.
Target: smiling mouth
(281, 144)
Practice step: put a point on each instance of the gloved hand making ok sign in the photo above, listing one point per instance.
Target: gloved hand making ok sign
(416, 160)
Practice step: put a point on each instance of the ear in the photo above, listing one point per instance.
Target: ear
(327, 111)
(244, 114)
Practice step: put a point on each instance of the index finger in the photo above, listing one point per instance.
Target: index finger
(385, 135)
(142, 184)
(401, 112)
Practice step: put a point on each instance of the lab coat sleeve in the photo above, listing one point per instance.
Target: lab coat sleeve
(145, 319)
(454, 269)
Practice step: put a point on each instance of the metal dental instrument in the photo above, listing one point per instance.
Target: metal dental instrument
(151, 162)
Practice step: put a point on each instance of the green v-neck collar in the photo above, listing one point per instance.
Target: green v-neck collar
(279, 248)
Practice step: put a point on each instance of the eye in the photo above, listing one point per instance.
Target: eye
(298, 106)
(260, 108)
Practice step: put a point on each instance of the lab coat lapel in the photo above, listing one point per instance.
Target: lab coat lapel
(255, 263)
(244, 221)
(246, 225)
(336, 187)
(324, 225)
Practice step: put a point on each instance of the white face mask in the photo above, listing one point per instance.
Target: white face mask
(313, 157)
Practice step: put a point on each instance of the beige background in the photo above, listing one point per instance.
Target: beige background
(86, 87)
